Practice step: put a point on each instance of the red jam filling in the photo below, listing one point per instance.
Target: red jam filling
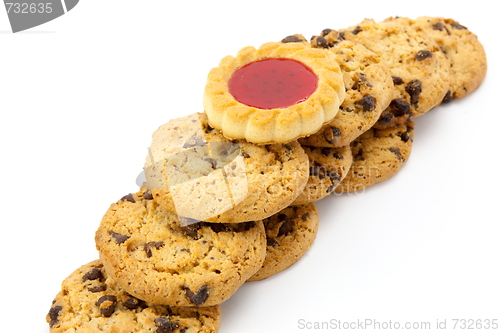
(273, 83)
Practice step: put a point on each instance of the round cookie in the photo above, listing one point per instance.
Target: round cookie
(90, 302)
(193, 170)
(419, 68)
(464, 51)
(147, 250)
(369, 90)
(327, 168)
(274, 94)
(290, 233)
(378, 155)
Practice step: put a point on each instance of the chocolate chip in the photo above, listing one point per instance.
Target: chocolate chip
(458, 26)
(385, 118)
(423, 54)
(448, 97)
(184, 330)
(272, 242)
(356, 30)
(200, 297)
(119, 239)
(338, 156)
(399, 107)
(414, 88)
(212, 161)
(306, 216)
(367, 103)
(438, 26)
(107, 305)
(147, 195)
(165, 325)
(325, 32)
(191, 230)
(194, 141)
(54, 315)
(330, 188)
(128, 197)
(288, 146)
(325, 151)
(97, 289)
(218, 227)
(405, 137)
(292, 39)
(397, 152)
(245, 155)
(331, 134)
(334, 177)
(94, 274)
(242, 227)
(133, 303)
(397, 80)
(286, 227)
(321, 42)
(152, 245)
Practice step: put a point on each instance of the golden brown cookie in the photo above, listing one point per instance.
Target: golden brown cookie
(193, 170)
(90, 302)
(147, 250)
(274, 94)
(378, 155)
(327, 168)
(419, 68)
(369, 90)
(290, 233)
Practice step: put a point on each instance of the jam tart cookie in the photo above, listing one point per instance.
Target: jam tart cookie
(290, 233)
(274, 94)
(378, 154)
(462, 48)
(193, 170)
(369, 91)
(419, 68)
(327, 168)
(90, 301)
(147, 250)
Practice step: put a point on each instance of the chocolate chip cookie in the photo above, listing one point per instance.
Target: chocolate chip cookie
(156, 257)
(378, 154)
(193, 170)
(290, 233)
(327, 168)
(91, 301)
(369, 91)
(419, 68)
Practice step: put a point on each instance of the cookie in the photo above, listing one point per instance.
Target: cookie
(90, 301)
(146, 250)
(276, 93)
(419, 68)
(369, 90)
(193, 170)
(378, 154)
(327, 168)
(462, 48)
(290, 233)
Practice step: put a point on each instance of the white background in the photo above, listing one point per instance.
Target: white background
(81, 95)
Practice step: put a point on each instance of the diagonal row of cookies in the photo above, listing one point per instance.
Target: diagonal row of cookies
(230, 193)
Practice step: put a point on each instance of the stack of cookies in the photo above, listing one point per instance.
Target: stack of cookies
(229, 193)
